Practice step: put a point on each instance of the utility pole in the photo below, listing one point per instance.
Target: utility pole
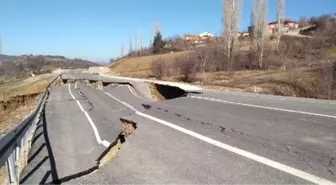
(121, 51)
(136, 41)
(130, 45)
(0, 45)
(157, 27)
(151, 38)
(156, 30)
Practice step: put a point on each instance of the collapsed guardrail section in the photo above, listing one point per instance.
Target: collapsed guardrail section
(15, 145)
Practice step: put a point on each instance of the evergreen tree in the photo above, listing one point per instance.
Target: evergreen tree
(158, 43)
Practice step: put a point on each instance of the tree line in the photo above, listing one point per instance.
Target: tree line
(261, 52)
(40, 64)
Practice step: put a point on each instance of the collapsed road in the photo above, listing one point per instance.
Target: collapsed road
(100, 130)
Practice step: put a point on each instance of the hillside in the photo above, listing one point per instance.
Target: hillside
(142, 66)
(290, 72)
(19, 89)
(10, 65)
(7, 57)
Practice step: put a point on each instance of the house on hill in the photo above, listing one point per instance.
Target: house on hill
(288, 24)
(272, 27)
(199, 39)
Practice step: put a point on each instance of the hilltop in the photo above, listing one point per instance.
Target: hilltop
(18, 65)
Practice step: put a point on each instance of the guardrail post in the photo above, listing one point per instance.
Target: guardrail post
(22, 153)
(30, 134)
(18, 159)
(25, 149)
(11, 172)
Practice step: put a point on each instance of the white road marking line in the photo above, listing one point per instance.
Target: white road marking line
(284, 168)
(105, 143)
(260, 159)
(122, 102)
(264, 107)
(272, 97)
(135, 94)
(94, 128)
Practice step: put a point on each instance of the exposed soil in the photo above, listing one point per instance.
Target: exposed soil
(12, 111)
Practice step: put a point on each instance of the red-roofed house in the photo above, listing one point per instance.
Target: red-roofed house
(272, 27)
(288, 24)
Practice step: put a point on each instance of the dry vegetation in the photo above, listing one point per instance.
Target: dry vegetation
(287, 65)
(3, 174)
(141, 67)
(18, 97)
(24, 65)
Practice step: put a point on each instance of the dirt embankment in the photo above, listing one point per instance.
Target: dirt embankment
(18, 98)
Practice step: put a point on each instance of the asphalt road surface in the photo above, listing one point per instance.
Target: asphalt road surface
(213, 137)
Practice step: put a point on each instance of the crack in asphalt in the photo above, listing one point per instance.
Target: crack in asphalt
(223, 129)
(290, 149)
(332, 166)
(145, 106)
(86, 98)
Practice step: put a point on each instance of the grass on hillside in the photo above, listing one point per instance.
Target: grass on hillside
(297, 82)
(8, 91)
(140, 67)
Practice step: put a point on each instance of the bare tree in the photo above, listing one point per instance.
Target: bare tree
(258, 18)
(231, 17)
(203, 54)
(158, 68)
(280, 18)
(136, 40)
(130, 46)
(209, 57)
(121, 51)
(0, 45)
(187, 66)
(328, 77)
(285, 50)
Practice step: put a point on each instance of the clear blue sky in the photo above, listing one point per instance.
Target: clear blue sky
(95, 29)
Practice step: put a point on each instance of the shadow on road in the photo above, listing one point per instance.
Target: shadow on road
(41, 168)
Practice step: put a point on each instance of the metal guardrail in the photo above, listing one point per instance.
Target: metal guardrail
(15, 145)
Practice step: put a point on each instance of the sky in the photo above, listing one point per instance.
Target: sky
(96, 29)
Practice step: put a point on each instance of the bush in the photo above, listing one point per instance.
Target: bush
(188, 68)
(327, 80)
(159, 68)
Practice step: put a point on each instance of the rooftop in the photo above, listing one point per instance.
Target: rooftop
(284, 21)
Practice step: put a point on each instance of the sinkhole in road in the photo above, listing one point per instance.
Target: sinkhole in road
(165, 92)
(64, 81)
(157, 91)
